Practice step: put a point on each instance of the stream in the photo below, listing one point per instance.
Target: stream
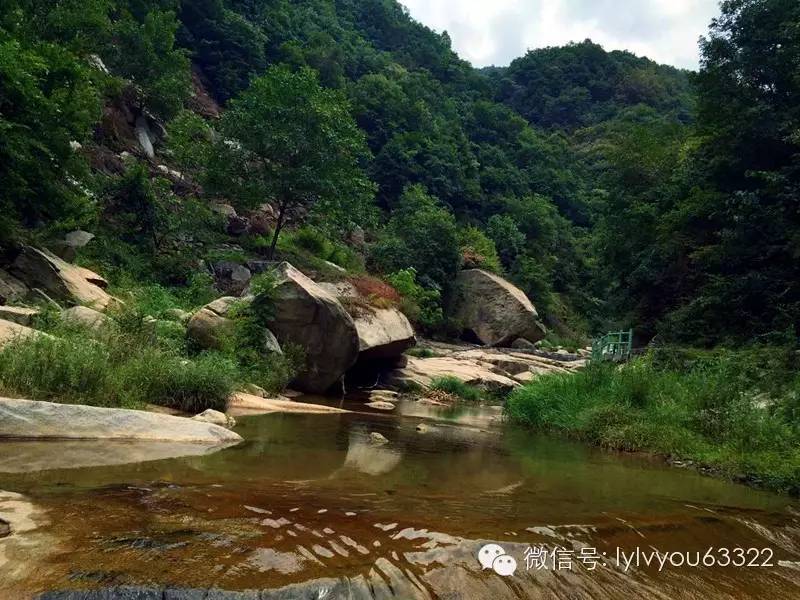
(310, 506)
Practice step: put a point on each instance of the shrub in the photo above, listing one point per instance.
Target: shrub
(456, 387)
(422, 306)
(477, 250)
(126, 366)
(376, 290)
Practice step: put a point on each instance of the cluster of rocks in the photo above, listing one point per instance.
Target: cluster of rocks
(41, 275)
(312, 316)
(494, 369)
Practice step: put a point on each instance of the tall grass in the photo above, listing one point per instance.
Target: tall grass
(736, 412)
(456, 387)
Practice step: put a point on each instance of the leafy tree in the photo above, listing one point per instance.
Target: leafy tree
(508, 239)
(47, 101)
(292, 140)
(421, 234)
(228, 48)
(145, 52)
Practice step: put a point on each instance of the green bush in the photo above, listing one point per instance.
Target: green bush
(456, 387)
(734, 411)
(477, 250)
(422, 306)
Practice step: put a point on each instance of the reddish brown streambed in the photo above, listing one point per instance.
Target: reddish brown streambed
(309, 500)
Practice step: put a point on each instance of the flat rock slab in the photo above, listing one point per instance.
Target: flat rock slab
(31, 419)
(242, 404)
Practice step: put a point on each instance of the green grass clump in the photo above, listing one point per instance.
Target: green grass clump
(114, 369)
(456, 387)
(736, 412)
(192, 386)
(73, 368)
(420, 352)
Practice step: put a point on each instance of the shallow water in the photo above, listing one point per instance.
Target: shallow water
(309, 499)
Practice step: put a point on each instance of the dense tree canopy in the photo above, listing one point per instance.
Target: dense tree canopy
(613, 190)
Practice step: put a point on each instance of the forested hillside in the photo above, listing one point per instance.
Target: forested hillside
(612, 190)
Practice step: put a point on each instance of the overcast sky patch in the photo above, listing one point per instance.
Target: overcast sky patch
(495, 32)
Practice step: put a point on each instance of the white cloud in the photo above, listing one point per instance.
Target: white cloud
(497, 31)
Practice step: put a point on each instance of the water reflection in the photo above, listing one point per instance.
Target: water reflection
(309, 501)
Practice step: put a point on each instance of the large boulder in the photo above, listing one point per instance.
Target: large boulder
(18, 314)
(307, 315)
(231, 278)
(383, 333)
(60, 279)
(35, 420)
(494, 311)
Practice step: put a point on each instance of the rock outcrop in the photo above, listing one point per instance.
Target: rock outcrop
(36, 420)
(60, 279)
(496, 369)
(493, 311)
(309, 316)
(68, 247)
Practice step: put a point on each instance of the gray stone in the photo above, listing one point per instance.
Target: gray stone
(380, 405)
(307, 315)
(215, 417)
(378, 438)
(494, 311)
(33, 419)
(11, 288)
(10, 331)
(207, 329)
(231, 278)
(18, 314)
(144, 136)
(523, 344)
(87, 317)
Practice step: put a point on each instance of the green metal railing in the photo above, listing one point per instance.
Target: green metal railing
(614, 346)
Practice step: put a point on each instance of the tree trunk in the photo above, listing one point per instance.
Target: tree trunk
(278, 226)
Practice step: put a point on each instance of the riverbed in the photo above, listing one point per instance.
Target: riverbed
(311, 506)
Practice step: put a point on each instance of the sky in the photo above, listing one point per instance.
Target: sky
(494, 32)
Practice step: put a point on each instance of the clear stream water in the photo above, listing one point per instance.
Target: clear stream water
(310, 501)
